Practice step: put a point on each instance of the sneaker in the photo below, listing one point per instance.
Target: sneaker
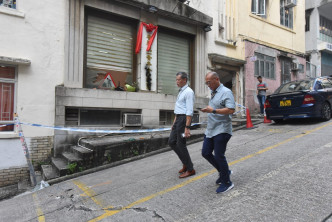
(224, 187)
(218, 181)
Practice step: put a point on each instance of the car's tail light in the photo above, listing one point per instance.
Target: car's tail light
(308, 99)
(267, 104)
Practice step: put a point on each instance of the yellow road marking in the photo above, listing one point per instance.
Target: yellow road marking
(144, 199)
(97, 185)
(90, 193)
(101, 184)
(40, 214)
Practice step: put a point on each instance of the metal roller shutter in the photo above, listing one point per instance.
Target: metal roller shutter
(173, 56)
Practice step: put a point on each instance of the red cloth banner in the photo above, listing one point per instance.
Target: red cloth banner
(149, 28)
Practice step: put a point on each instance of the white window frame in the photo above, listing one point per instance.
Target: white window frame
(283, 15)
(255, 7)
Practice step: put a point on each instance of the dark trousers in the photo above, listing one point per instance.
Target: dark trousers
(261, 100)
(217, 144)
(178, 143)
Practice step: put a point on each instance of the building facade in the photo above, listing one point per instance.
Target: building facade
(96, 64)
(273, 38)
(85, 64)
(31, 63)
(319, 36)
(256, 37)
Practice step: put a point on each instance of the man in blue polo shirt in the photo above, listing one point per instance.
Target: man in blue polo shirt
(184, 110)
(219, 129)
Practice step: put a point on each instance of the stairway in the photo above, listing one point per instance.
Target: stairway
(70, 161)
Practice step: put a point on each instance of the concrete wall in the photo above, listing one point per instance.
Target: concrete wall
(147, 102)
(35, 32)
(38, 37)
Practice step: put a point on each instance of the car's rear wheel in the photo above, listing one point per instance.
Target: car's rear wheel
(326, 112)
(278, 121)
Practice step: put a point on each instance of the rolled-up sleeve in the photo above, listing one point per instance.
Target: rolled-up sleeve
(229, 100)
(190, 100)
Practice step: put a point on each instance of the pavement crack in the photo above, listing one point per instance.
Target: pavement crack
(73, 207)
(143, 209)
(139, 209)
(158, 216)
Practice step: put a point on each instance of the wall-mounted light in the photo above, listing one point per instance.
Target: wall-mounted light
(152, 9)
(207, 28)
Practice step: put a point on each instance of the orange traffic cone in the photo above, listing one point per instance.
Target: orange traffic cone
(266, 120)
(249, 123)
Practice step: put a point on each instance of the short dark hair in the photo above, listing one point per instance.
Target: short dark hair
(183, 75)
(259, 77)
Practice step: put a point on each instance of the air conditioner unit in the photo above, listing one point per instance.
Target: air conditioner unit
(295, 66)
(132, 119)
(290, 3)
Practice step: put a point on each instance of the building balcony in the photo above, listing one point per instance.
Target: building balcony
(325, 9)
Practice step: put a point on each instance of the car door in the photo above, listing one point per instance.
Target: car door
(328, 86)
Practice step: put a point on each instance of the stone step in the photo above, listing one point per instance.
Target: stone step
(81, 152)
(71, 157)
(62, 148)
(48, 172)
(60, 165)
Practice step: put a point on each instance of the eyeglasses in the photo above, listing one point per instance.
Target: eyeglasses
(208, 83)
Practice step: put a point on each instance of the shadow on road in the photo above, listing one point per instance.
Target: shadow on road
(299, 122)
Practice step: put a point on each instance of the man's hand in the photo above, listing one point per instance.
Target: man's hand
(187, 133)
(207, 109)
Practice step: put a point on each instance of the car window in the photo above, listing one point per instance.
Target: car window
(326, 83)
(295, 86)
(318, 85)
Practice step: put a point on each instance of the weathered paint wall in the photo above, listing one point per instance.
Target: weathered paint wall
(34, 31)
(251, 80)
(39, 37)
(269, 30)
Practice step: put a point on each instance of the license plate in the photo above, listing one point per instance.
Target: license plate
(286, 103)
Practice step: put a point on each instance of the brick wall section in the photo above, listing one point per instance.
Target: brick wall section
(13, 175)
(40, 149)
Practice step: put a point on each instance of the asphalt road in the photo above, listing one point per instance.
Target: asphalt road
(280, 172)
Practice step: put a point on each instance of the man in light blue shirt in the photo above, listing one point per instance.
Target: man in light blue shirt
(219, 129)
(184, 110)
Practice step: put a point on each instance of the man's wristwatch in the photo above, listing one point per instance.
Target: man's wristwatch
(188, 127)
(214, 111)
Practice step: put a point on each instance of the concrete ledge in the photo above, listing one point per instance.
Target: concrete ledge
(15, 61)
